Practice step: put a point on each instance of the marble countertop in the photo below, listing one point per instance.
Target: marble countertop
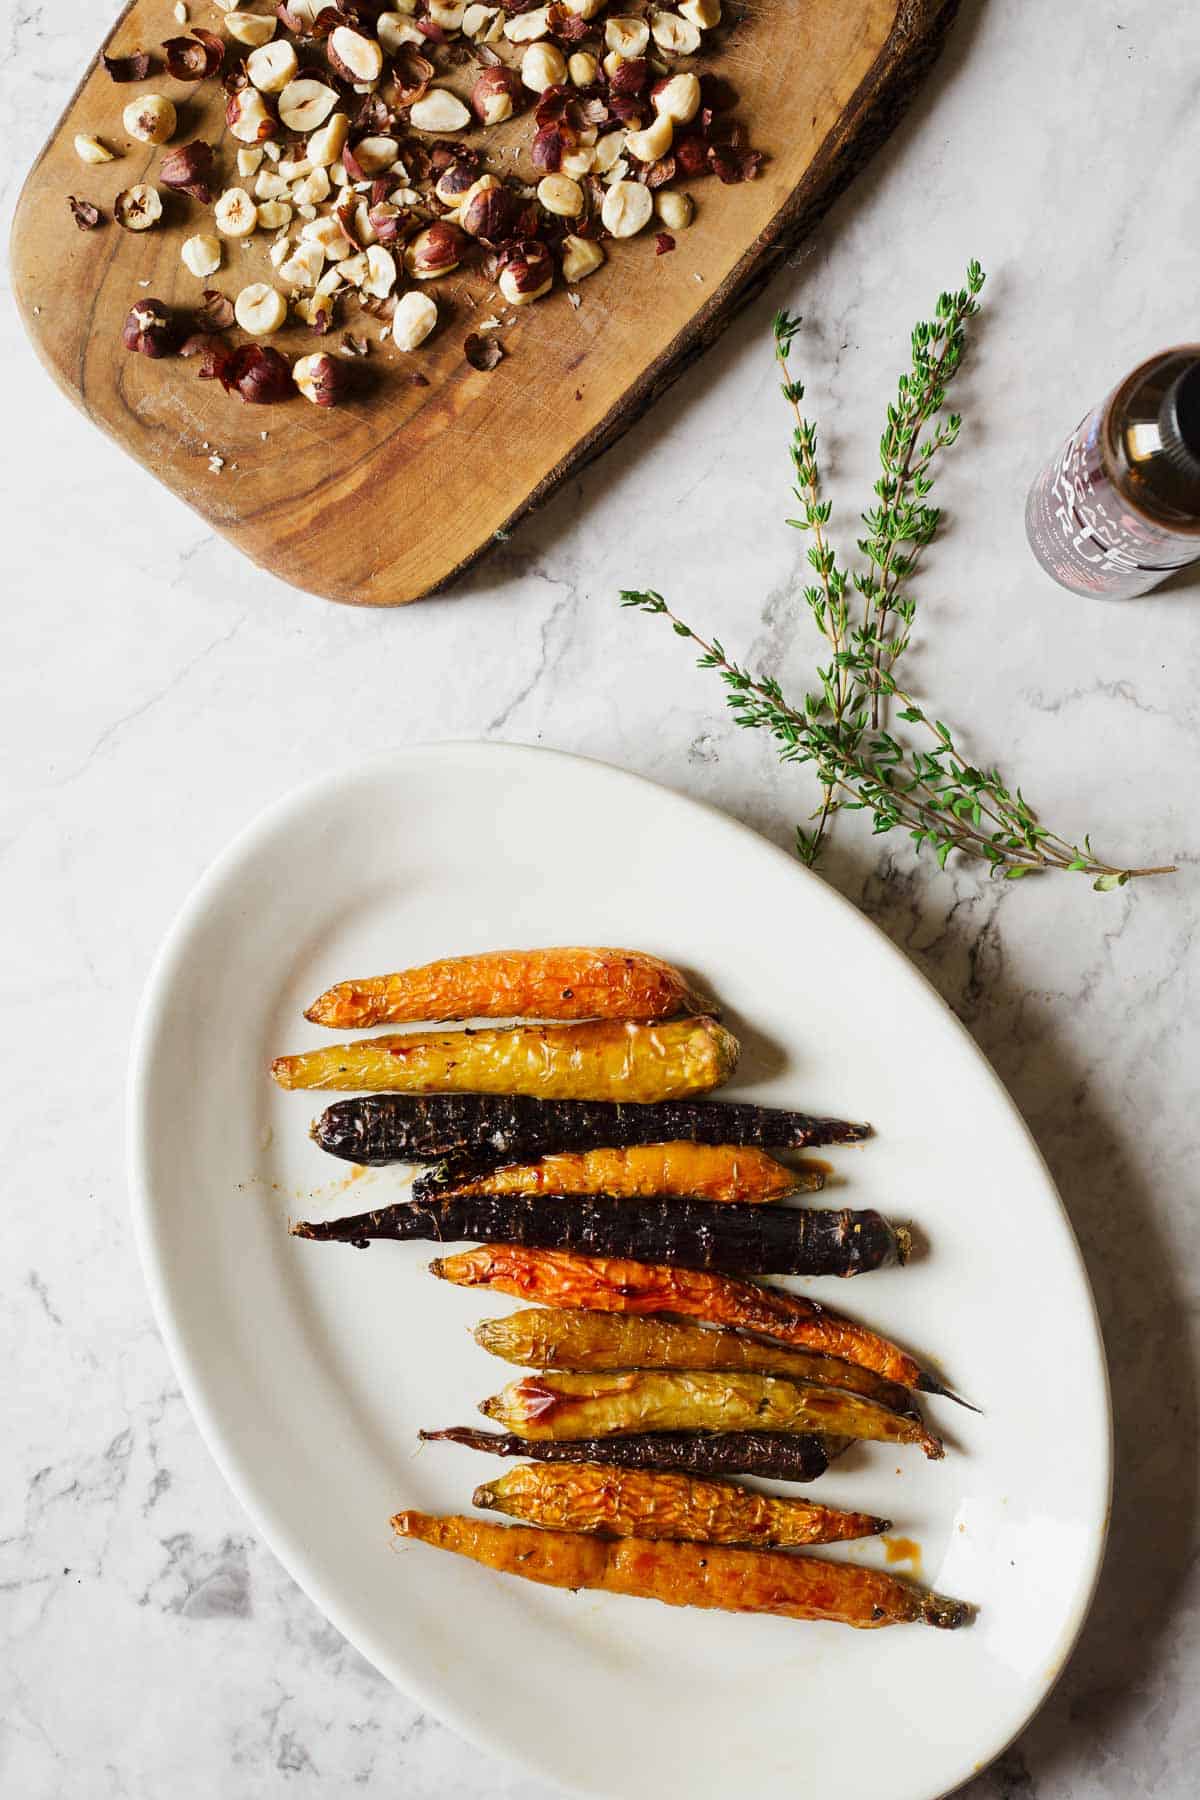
(158, 691)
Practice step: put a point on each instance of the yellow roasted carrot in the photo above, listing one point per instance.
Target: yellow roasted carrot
(650, 1171)
(553, 1405)
(560, 1278)
(561, 983)
(705, 1575)
(541, 1339)
(601, 1060)
(655, 1503)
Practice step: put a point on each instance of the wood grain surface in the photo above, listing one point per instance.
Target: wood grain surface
(387, 498)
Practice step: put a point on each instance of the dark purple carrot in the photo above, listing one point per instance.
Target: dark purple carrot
(387, 1128)
(693, 1234)
(773, 1455)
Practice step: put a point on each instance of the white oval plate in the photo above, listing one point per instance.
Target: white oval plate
(310, 1367)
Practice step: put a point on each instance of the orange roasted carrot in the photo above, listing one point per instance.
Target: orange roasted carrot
(658, 1503)
(682, 1574)
(569, 983)
(650, 1171)
(614, 1284)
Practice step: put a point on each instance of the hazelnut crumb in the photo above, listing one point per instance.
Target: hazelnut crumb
(216, 464)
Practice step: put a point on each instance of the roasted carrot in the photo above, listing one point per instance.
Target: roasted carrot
(732, 1172)
(600, 1060)
(570, 983)
(771, 1455)
(653, 1504)
(706, 1575)
(553, 1405)
(541, 1339)
(696, 1234)
(388, 1128)
(615, 1284)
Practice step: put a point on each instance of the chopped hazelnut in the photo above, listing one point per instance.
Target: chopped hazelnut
(676, 210)
(201, 254)
(543, 66)
(415, 316)
(439, 110)
(272, 66)
(326, 144)
(352, 56)
(90, 150)
(581, 257)
(525, 27)
(305, 104)
(652, 143)
(704, 13)
(252, 29)
(628, 37)
(248, 116)
(627, 208)
(677, 98)
(675, 35)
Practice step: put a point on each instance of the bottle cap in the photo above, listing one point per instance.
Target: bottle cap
(1179, 422)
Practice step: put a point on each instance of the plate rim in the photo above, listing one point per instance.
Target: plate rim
(188, 1373)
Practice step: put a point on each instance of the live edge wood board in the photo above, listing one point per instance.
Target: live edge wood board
(386, 499)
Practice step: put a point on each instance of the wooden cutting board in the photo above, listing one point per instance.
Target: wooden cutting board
(385, 499)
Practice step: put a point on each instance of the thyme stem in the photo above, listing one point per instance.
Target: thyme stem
(943, 801)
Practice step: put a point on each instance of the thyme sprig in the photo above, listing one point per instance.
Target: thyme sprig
(932, 791)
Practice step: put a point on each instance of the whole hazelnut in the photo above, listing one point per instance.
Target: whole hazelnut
(149, 329)
(150, 119)
(435, 251)
(454, 182)
(489, 213)
(496, 95)
(322, 378)
(527, 273)
(249, 118)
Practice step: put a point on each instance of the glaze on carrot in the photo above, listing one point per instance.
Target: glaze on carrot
(732, 1172)
(554, 1405)
(654, 1504)
(540, 1338)
(599, 1060)
(614, 1284)
(702, 1575)
(566, 983)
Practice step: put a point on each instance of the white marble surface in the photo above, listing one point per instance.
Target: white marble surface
(158, 691)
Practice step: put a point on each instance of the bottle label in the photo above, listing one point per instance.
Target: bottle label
(1083, 533)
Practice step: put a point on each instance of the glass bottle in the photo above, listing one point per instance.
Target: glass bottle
(1118, 510)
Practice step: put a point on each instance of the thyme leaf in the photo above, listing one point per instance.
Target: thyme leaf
(841, 728)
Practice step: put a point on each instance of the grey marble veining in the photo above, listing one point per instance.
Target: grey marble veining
(157, 691)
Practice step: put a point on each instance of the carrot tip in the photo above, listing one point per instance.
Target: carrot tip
(904, 1243)
(928, 1384)
(438, 1267)
(879, 1525)
(946, 1614)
